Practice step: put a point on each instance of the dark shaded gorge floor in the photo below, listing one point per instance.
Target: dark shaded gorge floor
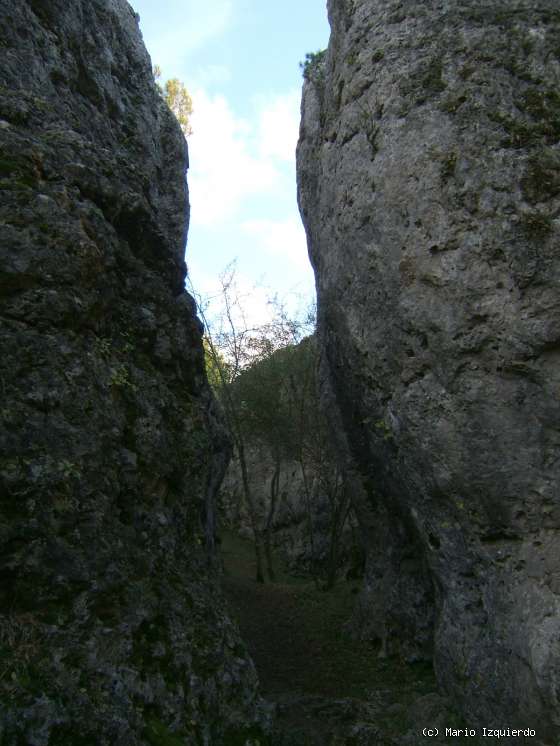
(328, 688)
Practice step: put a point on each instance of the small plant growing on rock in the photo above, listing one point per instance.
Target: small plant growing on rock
(432, 79)
(69, 469)
(448, 164)
(383, 429)
(177, 97)
(536, 225)
(102, 346)
(313, 66)
(120, 377)
(368, 124)
(541, 180)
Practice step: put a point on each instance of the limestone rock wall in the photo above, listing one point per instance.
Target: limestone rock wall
(429, 183)
(112, 627)
(303, 518)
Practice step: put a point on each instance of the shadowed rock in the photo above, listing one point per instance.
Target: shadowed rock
(112, 629)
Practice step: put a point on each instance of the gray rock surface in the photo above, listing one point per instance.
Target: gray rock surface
(112, 627)
(302, 524)
(429, 183)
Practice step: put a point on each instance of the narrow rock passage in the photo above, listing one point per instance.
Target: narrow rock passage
(329, 689)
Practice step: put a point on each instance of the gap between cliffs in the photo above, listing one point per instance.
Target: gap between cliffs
(327, 687)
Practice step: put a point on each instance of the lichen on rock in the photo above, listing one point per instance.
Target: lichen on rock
(427, 182)
(112, 627)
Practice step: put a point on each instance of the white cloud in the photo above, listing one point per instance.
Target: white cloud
(193, 24)
(278, 126)
(241, 183)
(232, 161)
(211, 74)
(205, 21)
(250, 302)
(284, 239)
(223, 170)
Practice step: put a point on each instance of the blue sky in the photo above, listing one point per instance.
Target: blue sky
(240, 61)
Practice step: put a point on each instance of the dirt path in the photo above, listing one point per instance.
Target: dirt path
(329, 689)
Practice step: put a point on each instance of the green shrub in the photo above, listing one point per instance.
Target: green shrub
(312, 66)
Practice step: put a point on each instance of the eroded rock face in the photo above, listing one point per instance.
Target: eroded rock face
(112, 628)
(302, 520)
(429, 183)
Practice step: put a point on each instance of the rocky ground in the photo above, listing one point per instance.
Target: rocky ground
(328, 688)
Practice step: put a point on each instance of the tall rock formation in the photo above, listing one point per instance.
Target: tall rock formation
(429, 184)
(112, 628)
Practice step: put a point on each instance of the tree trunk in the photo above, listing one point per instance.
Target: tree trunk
(340, 507)
(252, 513)
(309, 515)
(274, 489)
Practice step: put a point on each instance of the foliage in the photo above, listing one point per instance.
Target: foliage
(264, 376)
(216, 365)
(120, 377)
(242, 364)
(177, 97)
(232, 344)
(312, 66)
(265, 390)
